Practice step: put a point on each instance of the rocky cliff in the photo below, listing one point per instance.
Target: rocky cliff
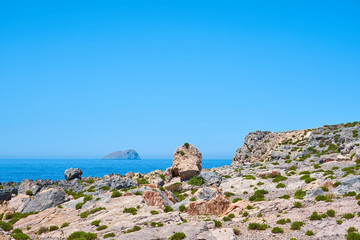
(123, 155)
(329, 142)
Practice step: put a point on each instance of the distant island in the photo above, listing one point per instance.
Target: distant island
(129, 154)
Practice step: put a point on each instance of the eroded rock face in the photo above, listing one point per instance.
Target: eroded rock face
(34, 187)
(73, 173)
(211, 178)
(45, 199)
(209, 201)
(186, 161)
(4, 196)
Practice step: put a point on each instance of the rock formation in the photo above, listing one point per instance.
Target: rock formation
(72, 173)
(130, 154)
(186, 161)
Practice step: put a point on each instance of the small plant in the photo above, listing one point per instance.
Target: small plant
(182, 208)
(154, 212)
(142, 181)
(96, 223)
(325, 189)
(283, 221)
(330, 213)
(297, 225)
(257, 226)
(6, 226)
(138, 193)
(82, 235)
(339, 222)
(109, 235)
(280, 185)
(245, 214)
(277, 230)
(102, 227)
(298, 204)
(249, 207)
(309, 233)
(196, 181)
(60, 206)
(285, 197)
(134, 229)
(168, 209)
(53, 228)
(115, 194)
(299, 194)
(186, 145)
(315, 216)
(178, 236)
(105, 188)
(348, 216)
(229, 194)
(236, 200)
(65, 224)
(321, 198)
(131, 210)
(42, 230)
(29, 192)
(259, 195)
(217, 223)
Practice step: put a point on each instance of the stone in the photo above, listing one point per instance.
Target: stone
(186, 161)
(5, 195)
(314, 192)
(46, 199)
(130, 154)
(34, 187)
(115, 182)
(211, 178)
(73, 173)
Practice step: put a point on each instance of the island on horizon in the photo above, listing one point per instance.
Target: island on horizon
(129, 154)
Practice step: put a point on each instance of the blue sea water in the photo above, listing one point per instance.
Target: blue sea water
(19, 169)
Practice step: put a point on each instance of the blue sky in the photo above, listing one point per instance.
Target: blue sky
(80, 79)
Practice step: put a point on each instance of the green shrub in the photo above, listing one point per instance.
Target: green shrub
(236, 200)
(321, 198)
(102, 227)
(309, 233)
(249, 207)
(315, 216)
(249, 177)
(80, 235)
(330, 213)
(42, 230)
(115, 194)
(109, 235)
(96, 223)
(299, 194)
(53, 228)
(196, 181)
(279, 178)
(154, 212)
(285, 197)
(280, 185)
(142, 181)
(135, 228)
(64, 225)
(259, 195)
(277, 230)
(29, 192)
(348, 216)
(229, 194)
(339, 222)
(350, 194)
(257, 226)
(226, 219)
(245, 214)
(105, 188)
(353, 236)
(20, 236)
(217, 223)
(79, 205)
(5, 226)
(182, 208)
(298, 204)
(325, 189)
(131, 210)
(297, 225)
(283, 221)
(168, 209)
(178, 236)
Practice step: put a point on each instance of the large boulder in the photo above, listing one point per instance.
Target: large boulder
(73, 173)
(4, 196)
(45, 199)
(186, 161)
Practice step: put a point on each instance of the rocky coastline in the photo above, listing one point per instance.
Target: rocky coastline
(302, 184)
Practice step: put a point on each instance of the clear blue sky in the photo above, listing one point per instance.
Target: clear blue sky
(80, 79)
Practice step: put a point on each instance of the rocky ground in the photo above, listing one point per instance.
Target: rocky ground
(290, 185)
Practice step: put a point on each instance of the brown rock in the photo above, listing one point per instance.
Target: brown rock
(153, 199)
(186, 161)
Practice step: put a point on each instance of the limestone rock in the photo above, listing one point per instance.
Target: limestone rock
(186, 161)
(211, 178)
(45, 199)
(4, 196)
(72, 173)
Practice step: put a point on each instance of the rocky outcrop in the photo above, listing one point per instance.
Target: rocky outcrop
(5, 195)
(330, 142)
(208, 201)
(73, 173)
(115, 182)
(45, 199)
(130, 154)
(210, 178)
(34, 187)
(186, 161)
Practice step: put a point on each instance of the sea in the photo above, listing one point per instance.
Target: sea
(18, 169)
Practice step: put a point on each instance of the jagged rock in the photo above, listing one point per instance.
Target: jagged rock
(34, 187)
(314, 192)
(72, 173)
(168, 174)
(186, 161)
(74, 185)
(5, 195)
(115, 182)
(208, 201)
(210, 178)
(130, 154)
(45, 199)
